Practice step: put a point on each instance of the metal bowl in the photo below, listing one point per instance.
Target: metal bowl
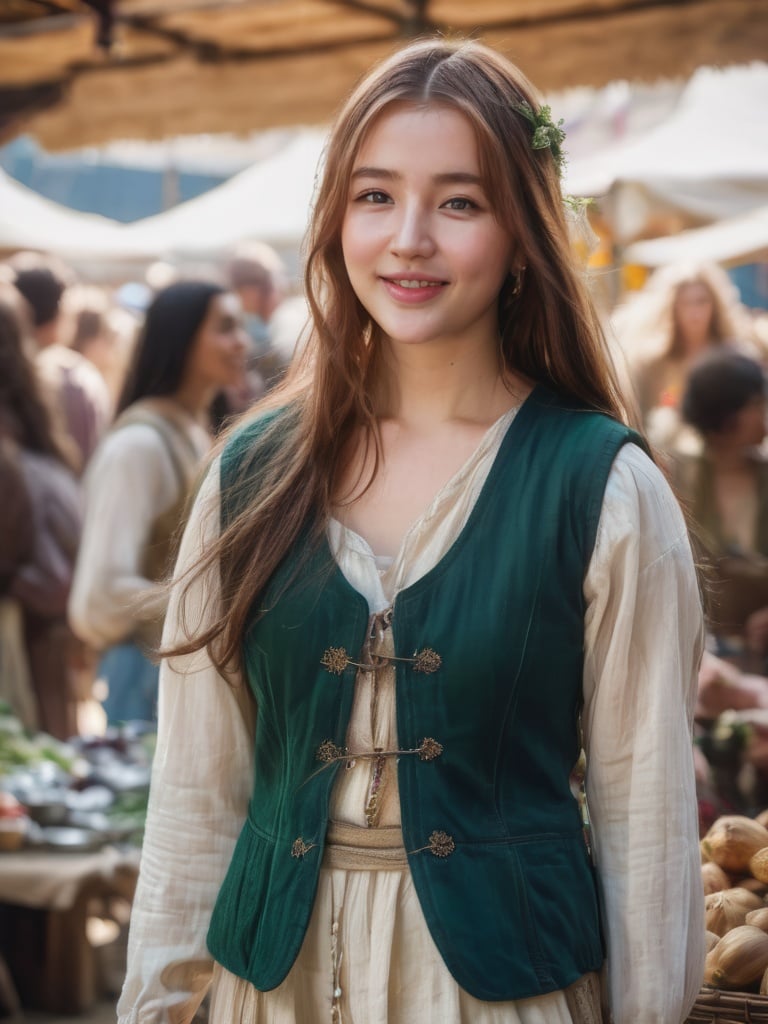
(74, 840)
(47, 811)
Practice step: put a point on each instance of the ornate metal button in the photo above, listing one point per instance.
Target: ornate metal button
(328, 752)
(299, 848)
(430, 749)
(335, 659)
(441, 844)
(427, 661)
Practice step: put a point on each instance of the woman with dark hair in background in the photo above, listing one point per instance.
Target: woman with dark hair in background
(192, 346)
(40, 528)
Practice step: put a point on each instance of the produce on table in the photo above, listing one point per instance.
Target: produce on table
(20, 749)
(728, 909)
(733, 840)
(99, 784)
(758, 918)
(714, 878)
(738, 959)
(13, 822)
(758, 865)
(734, 876)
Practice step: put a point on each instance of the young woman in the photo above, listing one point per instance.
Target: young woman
(413, 584)
(682, 313)
(192, 347)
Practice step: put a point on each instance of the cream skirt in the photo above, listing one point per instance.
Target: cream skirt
(385, 969)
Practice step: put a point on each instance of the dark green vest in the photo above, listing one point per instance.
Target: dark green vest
(493, 833)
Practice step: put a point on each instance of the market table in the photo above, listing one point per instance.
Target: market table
(45, 900)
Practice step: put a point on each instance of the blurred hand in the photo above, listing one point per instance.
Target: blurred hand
(700, 767)
(722, 687)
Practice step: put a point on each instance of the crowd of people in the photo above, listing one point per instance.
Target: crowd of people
(696, 361)
(412, 585)
(106, 416)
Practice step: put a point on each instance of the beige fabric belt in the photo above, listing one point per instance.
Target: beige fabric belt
(356, 848)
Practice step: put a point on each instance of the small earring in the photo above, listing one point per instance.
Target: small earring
(517, 287)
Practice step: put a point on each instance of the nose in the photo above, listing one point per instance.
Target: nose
(412, 235)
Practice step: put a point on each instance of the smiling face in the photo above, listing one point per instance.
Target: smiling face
(422, 247)
(218, 354)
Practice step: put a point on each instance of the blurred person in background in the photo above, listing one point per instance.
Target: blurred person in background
(257, 276)
(101, 332)
(725, 487)
(40, 524)
(79, 396)
(682, 312)
(192, 346)
(723, 483)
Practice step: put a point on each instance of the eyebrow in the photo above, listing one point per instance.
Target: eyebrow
(448, 178)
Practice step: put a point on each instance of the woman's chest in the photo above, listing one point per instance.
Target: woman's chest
(406, 484)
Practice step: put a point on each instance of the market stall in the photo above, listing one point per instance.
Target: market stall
(71, 820)
(742, 239)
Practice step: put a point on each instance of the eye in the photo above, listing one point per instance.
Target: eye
(460, 203)
(374, 196)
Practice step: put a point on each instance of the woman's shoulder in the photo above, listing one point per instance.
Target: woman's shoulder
(251, 426)
(130, 439)
(640, 505)
(634, 472)
(254, 437)
(135, 455)
(578, 427)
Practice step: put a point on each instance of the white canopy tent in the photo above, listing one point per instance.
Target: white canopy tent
(708, 158)
(269, 202)
(736, 240)
(29, 221)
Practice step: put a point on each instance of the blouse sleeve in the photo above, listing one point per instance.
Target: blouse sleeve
(130, 482)
(643, 643)
(201, 784)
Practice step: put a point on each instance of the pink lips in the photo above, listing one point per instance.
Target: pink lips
(421, 290)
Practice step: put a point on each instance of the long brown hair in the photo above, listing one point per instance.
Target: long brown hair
(549, 330)
(23, 412)
(646, 324)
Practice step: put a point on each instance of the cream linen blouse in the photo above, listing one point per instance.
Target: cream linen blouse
(130, 481)
(643, 639)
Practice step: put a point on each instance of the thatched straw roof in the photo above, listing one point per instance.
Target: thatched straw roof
(167, 67)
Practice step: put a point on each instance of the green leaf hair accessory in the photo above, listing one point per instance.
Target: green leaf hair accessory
(546, 134)
(578, 205)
